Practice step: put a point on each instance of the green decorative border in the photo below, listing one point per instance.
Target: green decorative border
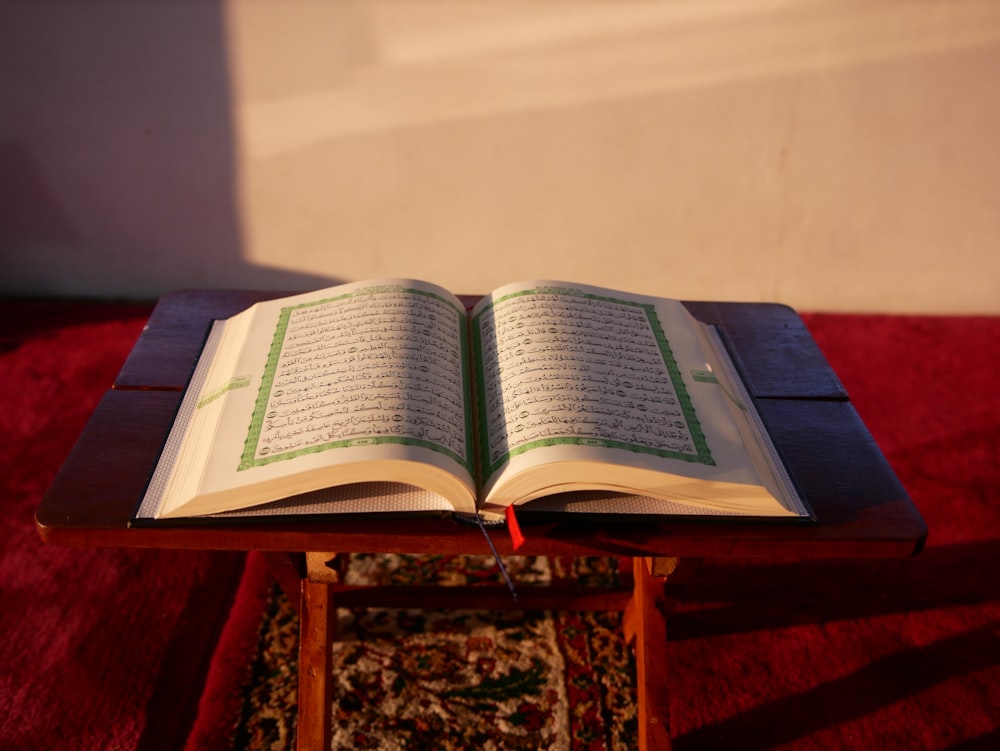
(703, 455)
(263, 396)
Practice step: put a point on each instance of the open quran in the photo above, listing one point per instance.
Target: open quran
(391, 396)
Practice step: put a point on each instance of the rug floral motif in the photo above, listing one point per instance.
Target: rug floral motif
(458, 679)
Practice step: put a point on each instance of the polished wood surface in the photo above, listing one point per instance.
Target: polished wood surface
(861, 509)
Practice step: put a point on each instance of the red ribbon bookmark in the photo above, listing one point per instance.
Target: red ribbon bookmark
(516, 536)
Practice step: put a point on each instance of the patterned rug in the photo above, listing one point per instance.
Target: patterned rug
(459, 679)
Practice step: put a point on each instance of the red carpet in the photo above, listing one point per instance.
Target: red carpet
(111, 649)
(899, 654)
(101, 649)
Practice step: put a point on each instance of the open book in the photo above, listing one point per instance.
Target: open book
(391, 396)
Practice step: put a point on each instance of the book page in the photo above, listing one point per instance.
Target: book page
(581, 374)
(362, 373)
(380, 364)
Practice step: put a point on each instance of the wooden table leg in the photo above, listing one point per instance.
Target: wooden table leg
(646, 624)
(317, 628)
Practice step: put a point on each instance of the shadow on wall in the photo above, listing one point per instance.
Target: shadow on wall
(117, 142)
(829, 155)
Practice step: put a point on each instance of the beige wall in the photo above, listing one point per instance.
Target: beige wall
(830, 155)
